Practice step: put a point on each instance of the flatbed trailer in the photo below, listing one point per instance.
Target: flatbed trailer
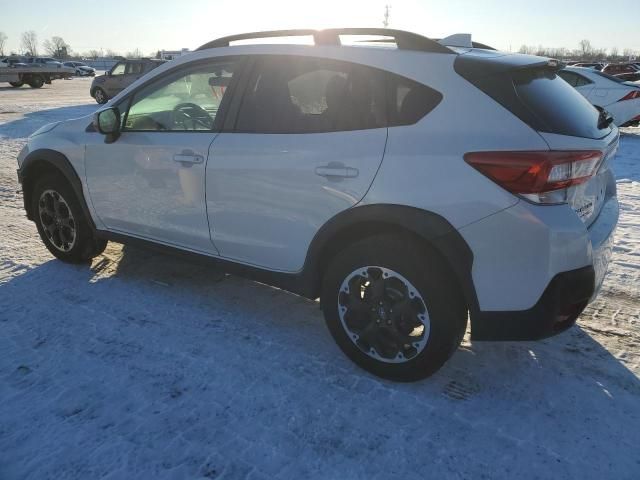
(35, 77)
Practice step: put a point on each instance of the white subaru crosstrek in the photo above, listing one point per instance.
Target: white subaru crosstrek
(410, 188)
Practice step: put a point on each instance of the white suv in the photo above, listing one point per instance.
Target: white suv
(410, 188)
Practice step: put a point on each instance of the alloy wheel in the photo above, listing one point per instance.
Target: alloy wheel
(383, 314)
(57, 220)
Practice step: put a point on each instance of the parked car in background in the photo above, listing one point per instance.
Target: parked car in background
(623, 71)
(621, 99)
(14, 62)
(48, 61)
(594, 66)
(349, 173)
(82, 69)
(123, 74)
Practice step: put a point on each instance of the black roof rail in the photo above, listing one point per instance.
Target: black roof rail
(404, 40)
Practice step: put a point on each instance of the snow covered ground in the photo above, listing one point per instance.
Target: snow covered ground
(145, 366)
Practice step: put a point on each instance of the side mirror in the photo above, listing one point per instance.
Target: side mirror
(107, 122)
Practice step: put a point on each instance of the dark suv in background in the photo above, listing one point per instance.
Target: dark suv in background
(123, 74)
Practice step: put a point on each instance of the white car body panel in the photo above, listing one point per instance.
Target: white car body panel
(138, 188)
(266, 197)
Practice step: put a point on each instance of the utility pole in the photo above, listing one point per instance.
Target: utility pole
(385, 22)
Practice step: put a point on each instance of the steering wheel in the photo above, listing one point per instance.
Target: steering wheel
(188, 116)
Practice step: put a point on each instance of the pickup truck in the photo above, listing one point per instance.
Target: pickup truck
(19, 72)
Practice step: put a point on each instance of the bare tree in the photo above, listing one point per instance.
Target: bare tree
(110, 53)
(93, 54)
(613, 53)
(137, 53)
(585, 48)
(3, 41)
(57, 47)
(628, 54)
(29, 43)
(526, 49)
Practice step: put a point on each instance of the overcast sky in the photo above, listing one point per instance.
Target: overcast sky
(124, 25)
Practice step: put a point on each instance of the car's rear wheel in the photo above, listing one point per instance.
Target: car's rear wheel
(36, 81)
(393, 307)
(16, 84)
(61, 223)
(100, 96)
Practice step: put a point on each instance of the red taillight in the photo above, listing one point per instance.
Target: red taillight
(631, 96)
(536, 172)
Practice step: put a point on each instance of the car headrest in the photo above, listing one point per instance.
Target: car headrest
(219, 81)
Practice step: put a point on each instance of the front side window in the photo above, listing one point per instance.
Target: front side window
(306, 95)
(185, 101)
(118, 69)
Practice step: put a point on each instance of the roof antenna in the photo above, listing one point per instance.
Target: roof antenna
(385, 22)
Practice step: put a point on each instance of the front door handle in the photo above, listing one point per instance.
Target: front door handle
(184, 158)
(337, 171)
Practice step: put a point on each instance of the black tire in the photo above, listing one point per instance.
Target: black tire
(429, 274)
(36, 81)
(85, 245)
(100, 96)
(16, 84)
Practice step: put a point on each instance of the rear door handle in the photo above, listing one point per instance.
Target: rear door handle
(183, 158)
(345, 172)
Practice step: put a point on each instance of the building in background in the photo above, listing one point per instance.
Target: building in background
(171, 54)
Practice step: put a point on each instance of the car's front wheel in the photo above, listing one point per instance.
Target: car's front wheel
(61, 223)
(100, 96)
(393, 307)
(16, 84)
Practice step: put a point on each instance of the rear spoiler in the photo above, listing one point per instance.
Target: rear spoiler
(474, 66)
(462, 40)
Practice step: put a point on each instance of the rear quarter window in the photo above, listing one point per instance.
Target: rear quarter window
(409, 101)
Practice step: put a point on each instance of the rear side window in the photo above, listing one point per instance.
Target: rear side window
(134, 68)
(308, 95)
(559, 107)
(574, 79)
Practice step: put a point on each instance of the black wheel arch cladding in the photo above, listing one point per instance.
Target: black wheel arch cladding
(44, 161)
(359, 222)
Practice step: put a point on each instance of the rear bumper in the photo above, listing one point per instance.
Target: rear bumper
(562, 302)
(564, 298)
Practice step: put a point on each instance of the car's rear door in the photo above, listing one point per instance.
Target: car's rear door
(150, 182)
(306, 143)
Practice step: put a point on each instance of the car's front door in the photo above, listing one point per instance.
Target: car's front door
(307, 142)
(115, 79)
(150, 183)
